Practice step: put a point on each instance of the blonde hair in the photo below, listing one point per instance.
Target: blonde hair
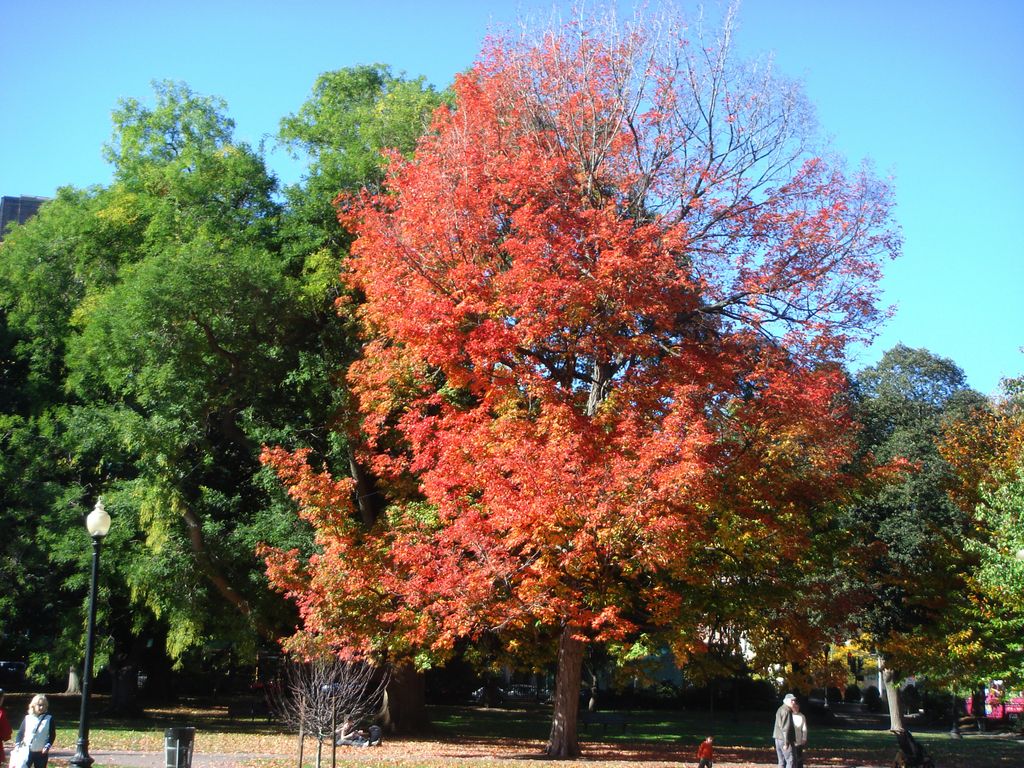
(41, 701)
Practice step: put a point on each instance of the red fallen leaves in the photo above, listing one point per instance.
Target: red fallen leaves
(593, 329)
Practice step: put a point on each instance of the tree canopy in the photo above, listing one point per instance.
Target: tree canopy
(550, 363)
(157, 332)
(911, 535)
(985, 450)
(609, 297)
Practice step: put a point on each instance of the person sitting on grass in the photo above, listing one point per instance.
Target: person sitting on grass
(351, 736)
(705, 753)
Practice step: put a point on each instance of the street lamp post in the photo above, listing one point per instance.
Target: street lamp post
(97, 523)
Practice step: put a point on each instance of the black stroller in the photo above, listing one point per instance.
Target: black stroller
(911, 754)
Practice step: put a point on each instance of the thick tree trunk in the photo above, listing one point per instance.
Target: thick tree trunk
(564, 740)
(405, 706)
(74, 682)
(491, 695)
(368, 499)
(124, 691)
(892, 694)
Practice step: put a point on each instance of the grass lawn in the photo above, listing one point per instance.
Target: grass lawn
(672, 737)
(472, 737)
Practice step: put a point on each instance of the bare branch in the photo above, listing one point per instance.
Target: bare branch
(316, 697)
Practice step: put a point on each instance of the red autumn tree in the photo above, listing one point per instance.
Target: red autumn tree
(608, 299)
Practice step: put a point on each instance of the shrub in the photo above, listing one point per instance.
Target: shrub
(911, 698)
(872, 699)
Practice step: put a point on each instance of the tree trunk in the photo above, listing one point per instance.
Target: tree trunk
(124, 682)
(892, 695)
(564, 740)
(491, 697)
(828, 680)
(74, 682)
(592, 703)
(954, 731)
(405, 705)
(978, 702)
(205, 563)
(334, 732)
(369, 501)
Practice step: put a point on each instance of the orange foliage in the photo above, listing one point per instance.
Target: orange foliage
(982, 448)
(592, 333)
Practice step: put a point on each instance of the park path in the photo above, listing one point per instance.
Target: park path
(132, 759)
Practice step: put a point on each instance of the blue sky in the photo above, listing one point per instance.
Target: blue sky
(933, 92)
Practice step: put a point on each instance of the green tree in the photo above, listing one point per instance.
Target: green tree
(155, 333)
(345, 131)
(46, 268)
(1001, 574)
(185, 176)
(986, 450)
(911, 532)
(351, 118)
(197, 354)
(160, 339)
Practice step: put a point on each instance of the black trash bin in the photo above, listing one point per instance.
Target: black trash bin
(178, 747)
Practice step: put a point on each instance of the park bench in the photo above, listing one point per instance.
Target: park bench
(604, 719)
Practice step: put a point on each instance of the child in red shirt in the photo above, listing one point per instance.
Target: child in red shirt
(705, 753)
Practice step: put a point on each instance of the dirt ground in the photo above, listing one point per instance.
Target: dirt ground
(503, 753)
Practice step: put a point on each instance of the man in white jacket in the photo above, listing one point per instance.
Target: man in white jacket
(800, 730)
